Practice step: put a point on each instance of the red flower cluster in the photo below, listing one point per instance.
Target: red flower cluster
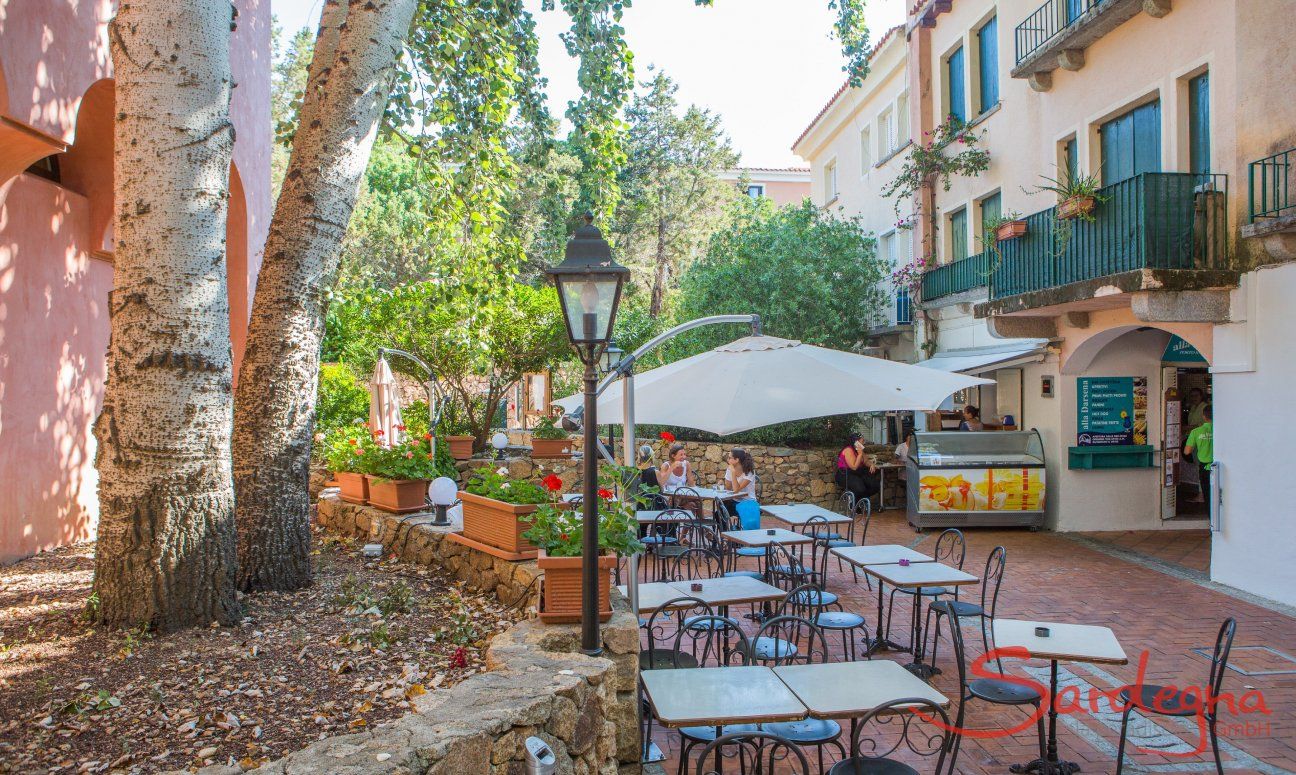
(459, 658)
(605, 494)
(552, 483)
(427, 437)
(667, 436)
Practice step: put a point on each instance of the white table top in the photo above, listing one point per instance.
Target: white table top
(879, 554)
(762, 537)
(921, 574)
(653, 595)
(646, 517)
(716, 696)
(852, 689)
(710, 493)
(801, 513)
(730, 590)
(1071, 642)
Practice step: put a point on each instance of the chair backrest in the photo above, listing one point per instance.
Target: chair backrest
(749, 514)
(696, 562)
(685, 495)
(713, 640)
(784, 568)
(951, 547)
(818, 563)
(788, 640)
(662, 624)
(1219, 660)
(754, 753)
(918, 725)
(992, 578)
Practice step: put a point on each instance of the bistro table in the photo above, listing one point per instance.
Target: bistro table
(800, 514)
(915, 576)
(705, 493)
(719, 593)
(650, 516)
(879, 554)
(766, 536)
(652, 594)
(837, 690)
(1072, 642)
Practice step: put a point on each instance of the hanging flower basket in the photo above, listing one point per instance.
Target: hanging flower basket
(1076, 207)
(352, 487)
(564, 592)
(461, 447)
(398, 496)
(1011, 230)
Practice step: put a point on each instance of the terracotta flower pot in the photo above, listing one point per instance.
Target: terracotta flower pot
(398, 496)
(1011, 230)
(352, 487)
(1075, 207)
(495, 523)
(550, 447)
(461, 447)
(563, 591)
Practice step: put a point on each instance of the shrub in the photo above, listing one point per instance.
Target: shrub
(343, 400)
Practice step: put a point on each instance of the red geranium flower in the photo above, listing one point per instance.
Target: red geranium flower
(429, 456)
(353, 442)
(379, 432)
(667, 436)
(459, 658)
(605, 494)
(564, 536)
(552, 483)
(400, 428)
(427, 437)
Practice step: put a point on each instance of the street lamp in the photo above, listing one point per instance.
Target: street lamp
(589, 288)
(612, 356)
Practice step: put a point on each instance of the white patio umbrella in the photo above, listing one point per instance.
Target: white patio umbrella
(761, 380)
(384, 404)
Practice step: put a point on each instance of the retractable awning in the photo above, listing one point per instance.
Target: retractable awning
(978, 360)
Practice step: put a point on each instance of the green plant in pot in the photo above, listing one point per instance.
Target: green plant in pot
(996, 231)
(399, 475)
(494, 505)
(548, 440)
(1077, 198)
(458, 435)
(350, 452)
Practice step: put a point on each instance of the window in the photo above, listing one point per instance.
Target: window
(886, 249)
(954, 76)
(958, 234)
(1131, 144)
(756, 191)
(866, 150)
(904, 309)
(47, 167)
(902, 119)
(1070, 159)
(886, 126)
(1199, 149)
(830, 181)
(988, 51)
(991, 209)
(1073, 9)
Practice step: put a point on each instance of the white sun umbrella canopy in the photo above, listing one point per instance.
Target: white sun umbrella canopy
(762, 380)
(384, 404)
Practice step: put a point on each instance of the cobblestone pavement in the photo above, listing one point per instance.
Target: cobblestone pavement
(1169, 618)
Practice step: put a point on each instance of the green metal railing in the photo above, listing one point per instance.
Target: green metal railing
(1156, 220)
(1270, 185)
(956, 277)
(1047, 22)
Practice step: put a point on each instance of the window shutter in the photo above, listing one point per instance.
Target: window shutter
(1199, 149)
(954, 71)
(988, 39)
(958, 235)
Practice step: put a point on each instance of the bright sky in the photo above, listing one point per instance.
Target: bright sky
(765, 66)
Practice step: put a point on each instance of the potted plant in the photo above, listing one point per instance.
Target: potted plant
(549, 440)
(349, 452)
(1008, 226)
(493, 506)
(1077, 195)
(559, 534)
(399, 475)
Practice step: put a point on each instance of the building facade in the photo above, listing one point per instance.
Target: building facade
(782, 185)
(56, 248)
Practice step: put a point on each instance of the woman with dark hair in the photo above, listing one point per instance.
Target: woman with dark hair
(856, 473)
(677, 469)
(740, 474)
(650, 480)
(971, 419)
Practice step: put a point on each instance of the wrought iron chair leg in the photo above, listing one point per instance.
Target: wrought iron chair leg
(1039, 728)
(985, 642)
(1120, 750)
(936, 635)
(1215, 748)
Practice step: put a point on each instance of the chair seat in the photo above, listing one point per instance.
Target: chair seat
(926, 591)
(839, 620)
(1002, 692)
(807, 731)
(821, 535)
(707, 734)
(1165, 700)
(837, 543)
(959, 608)
(815, 597)
(751, 574)
(651, 540)
(860, 766)
(773, 648)
(665, 659)
(705, 623)
(750, 551)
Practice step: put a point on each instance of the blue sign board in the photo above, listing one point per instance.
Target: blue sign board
(1179, 351)
(1105, 412)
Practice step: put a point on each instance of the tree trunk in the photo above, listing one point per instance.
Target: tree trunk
(347, 87)
(165, 554)
(661, 271)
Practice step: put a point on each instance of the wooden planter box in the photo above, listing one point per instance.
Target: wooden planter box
(495, 524)
(1010, 231)
(352, 487)
(563, 592)
(461, 447)
(1075, 207)
(398, 496)
(550, 447)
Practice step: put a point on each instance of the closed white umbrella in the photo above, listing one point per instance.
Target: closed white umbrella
(762, 380)
(384, 404)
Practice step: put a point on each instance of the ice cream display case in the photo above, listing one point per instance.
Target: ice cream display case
(975, 479)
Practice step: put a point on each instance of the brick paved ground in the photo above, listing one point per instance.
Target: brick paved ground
(1187, 548)
(1051, 578)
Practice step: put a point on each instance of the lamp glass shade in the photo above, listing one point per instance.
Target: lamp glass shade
(443, 491)
(589, 301)
(612, 357)
(499, 440)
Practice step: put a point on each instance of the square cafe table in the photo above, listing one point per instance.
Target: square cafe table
(879, 554)
(652, 595)
(765, 537)
(648, 517)
(914, 576)
(1072, 642)
(729, 590)
(800, 514)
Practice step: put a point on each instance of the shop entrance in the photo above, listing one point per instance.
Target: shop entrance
(1187, 393)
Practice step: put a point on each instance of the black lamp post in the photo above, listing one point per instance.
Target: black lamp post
(589, 288)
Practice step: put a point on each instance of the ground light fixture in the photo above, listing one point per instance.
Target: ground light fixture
(589, 286)
(442, 492)
(498, 442)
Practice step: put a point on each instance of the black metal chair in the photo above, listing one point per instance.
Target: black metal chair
(756, 753)
(951, 549)
(661, 540)
(723, 643)
(1172, 701)
(916, 724)
(960, 609)
(658, 655)
(692, 563)
(996, 691)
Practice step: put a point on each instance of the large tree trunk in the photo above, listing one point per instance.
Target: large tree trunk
(165, 554)
(347, 87)
(661, 271)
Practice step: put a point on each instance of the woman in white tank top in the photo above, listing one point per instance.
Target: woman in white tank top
(677, 469)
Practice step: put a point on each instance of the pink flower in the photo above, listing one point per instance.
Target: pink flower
(409, 455)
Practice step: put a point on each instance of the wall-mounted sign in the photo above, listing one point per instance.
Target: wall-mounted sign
(1179, 351)
(1046, 386)
(1111, 411)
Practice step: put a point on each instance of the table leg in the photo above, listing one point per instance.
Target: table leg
(881, 488)
(880, 640)
(918, 667)
(1050, 765)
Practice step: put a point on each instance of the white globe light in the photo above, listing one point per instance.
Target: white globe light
(499, 440)
(443, 491)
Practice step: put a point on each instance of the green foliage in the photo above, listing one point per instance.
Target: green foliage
(1068, 187)
(348, 448)
(342, 399)
(547, 428)
(495, 483)
(287, 84)
(948, 150)
(411, 459)
(560, 531)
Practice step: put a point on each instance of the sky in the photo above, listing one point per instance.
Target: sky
(765, 66)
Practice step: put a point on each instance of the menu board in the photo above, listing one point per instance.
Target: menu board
(1111, 411)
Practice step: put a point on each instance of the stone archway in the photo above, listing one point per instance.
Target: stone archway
(1080, 357)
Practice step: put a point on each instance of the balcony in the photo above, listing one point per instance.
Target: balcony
(1058, 32)
(1271, 204)
(1158, 231)
(955, 278)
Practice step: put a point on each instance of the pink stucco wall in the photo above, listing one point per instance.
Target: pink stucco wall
(56, 242)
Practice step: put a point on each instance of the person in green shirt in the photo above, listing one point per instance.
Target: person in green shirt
(1201, 443)
(1196, 405)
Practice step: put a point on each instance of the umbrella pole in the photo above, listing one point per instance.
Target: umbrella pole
(629, 458)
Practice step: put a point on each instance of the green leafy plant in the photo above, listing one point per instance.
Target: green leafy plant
(353, 593)
(342, 399)
(412, 459)
(397, 599)
(560, 532)
(948, 150)
(548, 428)
(495, 483)
(349, 448)
(1067, 186)
(989, 238)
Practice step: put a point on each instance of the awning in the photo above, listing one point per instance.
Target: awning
(978, 360)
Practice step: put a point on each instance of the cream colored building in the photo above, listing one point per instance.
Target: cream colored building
(782, 185)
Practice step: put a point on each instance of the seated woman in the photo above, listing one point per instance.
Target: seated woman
(740, 475)
(650, 477)
(971, 419)
(677, 469)
(856, 473)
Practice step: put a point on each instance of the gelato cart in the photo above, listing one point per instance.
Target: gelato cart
(975, 479)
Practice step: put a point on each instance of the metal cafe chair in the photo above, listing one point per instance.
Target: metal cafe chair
(824, 608)
(916, 724)
(747, 514)
(960, 609)
(757, 753)
(694, 562)
(951, 549)
(661, 540)
(722, 644)
(1172, 701)
(661, 652)
(996, 691)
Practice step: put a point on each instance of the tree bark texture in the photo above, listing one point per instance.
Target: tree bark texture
(356, 52)
(165, 554)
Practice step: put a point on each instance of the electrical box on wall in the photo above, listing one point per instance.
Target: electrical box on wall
(1046, 386)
